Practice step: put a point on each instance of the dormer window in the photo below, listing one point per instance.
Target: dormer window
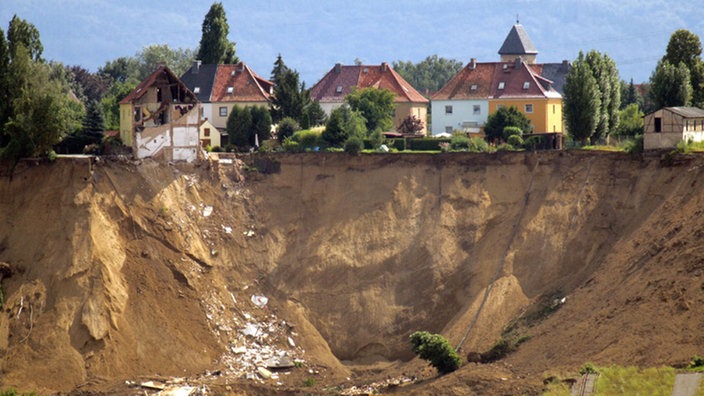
(473, 87)
(230, 90)
(196, 90)
(526, 85)
(339, 89)
(502, 85)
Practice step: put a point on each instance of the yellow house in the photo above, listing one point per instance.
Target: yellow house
(521, 85)
(209, 135)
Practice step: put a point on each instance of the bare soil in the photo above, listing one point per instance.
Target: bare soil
(119, 273)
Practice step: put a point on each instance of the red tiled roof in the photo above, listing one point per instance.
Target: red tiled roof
(519, 81)
(340, 81)
(246, 85)
(161, 72)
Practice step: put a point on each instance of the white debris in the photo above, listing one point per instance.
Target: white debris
(228, 230)
(225, 161)
(239, 350)
(259, 301)
(266, 374)
(207, 211)
(291, 343)
(248, 233)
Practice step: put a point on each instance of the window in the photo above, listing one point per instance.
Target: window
(196, 90)
(553, 109)
(137, 114)
(658, 124)
(529, 108)
(477, 109)
(223, 111)
(501, 85)
(448, 109)
(339, 89)
(526, 85)
(473, 87)
(230, 89)
(499, 107)
(206, 132)
(448, 129)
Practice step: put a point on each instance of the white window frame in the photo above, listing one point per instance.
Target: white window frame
(528, 107)
(502, 85)
(223, 111)
(477, 109)
(448, 109)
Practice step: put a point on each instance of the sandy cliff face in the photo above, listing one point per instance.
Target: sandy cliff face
(121, 271)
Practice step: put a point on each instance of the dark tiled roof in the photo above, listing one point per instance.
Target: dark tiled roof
(201, 76)
(340, 81)
(246, 85)
(160, 76)
(556, 72)
(517, 42)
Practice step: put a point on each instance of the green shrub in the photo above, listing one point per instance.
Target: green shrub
(588, 368)
(437, 350)
(307, 138)
(424, 144)
(354, 145)
(505, 147)
(697, 361)
(399, 144)
(217, 149)
(287, 127)
(533, 143)
(514, 140)
(478, 145)
(634, 146)
(291, 146)
(309, 382)
(512, 131)
(459, 143)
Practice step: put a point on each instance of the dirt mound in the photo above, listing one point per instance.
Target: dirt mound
(121, 272)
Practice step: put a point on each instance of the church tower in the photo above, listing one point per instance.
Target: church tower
(518, 45)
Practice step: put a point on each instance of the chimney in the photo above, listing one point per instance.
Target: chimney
(338, 68)
(519, 61)
(384, 67)
(473, 63)
(195, 68)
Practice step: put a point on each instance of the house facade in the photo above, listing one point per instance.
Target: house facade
(666, 127)
(209, 135)
(220, 87)
(332, 89)
(160, 118)
(481, 88)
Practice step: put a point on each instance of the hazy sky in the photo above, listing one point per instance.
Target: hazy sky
(312, 35)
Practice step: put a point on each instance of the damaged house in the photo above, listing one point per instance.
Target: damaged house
(160, 118)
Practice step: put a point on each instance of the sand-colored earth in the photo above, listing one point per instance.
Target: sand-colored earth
(190, 275)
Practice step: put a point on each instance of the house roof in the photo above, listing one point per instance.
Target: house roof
(557, 73)
(498, 80)
(239, 83)
(341, 79)
(199, 79)
(162, 75)
(686, 112)
(517, 42)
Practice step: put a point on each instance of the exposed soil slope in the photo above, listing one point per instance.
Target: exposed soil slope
(122, 272)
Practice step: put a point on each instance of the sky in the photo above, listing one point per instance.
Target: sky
(313, 35)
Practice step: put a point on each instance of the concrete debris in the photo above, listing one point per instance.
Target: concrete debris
(207, 211)
(225, 161)
(179, 391)
(259, 301)
(238, 350)
(264, 373)
(377, 387)
(153, 385)
(228, 230)
(291, 343)
(249, 233)
(279, 362)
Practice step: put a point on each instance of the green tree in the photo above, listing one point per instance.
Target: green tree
(670, 85)
(288, 99)
(23, 33)
(4, 86)
(342, 124)
(239, 126)
(122, 69)
(629, 94)
(631, 121)
(287, 127)
(111, 102)
(502, 118)
(686, 48)
(215, 47)
(605, 73)
(261, 125)
(411, 125)
(581, 102)
(376, 106)
(38, 117)
(430, 74)
(148, 59)
(437, 350)
(313, 113)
